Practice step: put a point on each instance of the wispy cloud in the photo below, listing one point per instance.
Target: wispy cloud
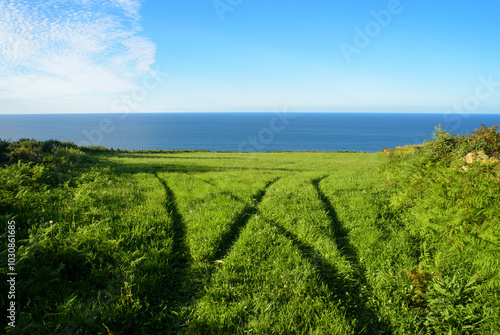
(53, 48)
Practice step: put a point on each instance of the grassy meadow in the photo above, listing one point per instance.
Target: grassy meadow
(113, 242)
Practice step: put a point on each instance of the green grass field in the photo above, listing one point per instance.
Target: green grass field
(218, 243)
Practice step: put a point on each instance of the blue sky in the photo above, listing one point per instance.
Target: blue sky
(74, 56)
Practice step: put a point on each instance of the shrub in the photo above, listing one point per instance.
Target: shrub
(452, 206)
(4, 150)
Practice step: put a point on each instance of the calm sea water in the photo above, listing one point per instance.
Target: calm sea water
(367, 132)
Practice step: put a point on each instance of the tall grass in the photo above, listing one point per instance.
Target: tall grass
(266, 243)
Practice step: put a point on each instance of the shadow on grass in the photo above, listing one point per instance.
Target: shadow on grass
(346, 249)
(175, 155)
(178, 290)
(349, 292)
(240, 221)
(147, 163)
(340, 233)
(156, 167)
(179, 227)
(183, 287)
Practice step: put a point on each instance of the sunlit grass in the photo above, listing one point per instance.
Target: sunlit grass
(214, 243)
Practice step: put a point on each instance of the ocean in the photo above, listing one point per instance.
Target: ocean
(279, 131)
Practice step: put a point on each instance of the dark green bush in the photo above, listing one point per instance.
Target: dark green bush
(4, 150)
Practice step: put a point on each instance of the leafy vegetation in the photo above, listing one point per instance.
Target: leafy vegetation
(447, 192)
(114, 242)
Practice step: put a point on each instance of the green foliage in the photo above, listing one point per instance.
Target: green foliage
(58, 157)
(453, 306)
(233, 243)
(4, 150)
(35, 177)
(102, 258)
(25, 188)
(452, 206)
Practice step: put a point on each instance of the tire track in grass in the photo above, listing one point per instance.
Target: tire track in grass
(180, 246)
(230, 237)
(240, 221)
(346, 249)
(181, 291)
(340, 233)
(347, 291)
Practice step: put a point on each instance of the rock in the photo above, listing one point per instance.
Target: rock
(476, 157)
(470, 158)
(481, 156)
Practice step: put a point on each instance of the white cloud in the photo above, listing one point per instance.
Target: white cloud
(52, 48)
(131, 7)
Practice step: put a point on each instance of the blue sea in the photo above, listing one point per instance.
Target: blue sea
(280, 131)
